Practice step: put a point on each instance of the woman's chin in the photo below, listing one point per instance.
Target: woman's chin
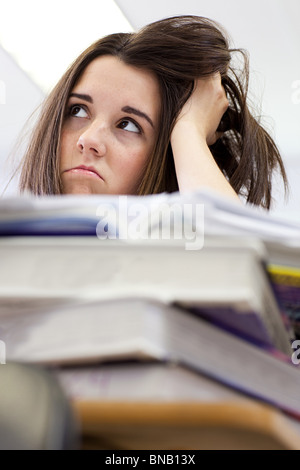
(80, 187)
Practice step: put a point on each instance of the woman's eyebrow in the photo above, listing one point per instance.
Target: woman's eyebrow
(130, 110)
(126, 109)
(82, 97)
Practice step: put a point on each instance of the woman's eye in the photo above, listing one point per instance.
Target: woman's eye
(77, 111)
(129, 126)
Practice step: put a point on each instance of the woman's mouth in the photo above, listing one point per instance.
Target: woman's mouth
(85, 170)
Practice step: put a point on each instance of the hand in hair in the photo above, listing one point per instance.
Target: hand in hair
(196, 128)
(205, 108)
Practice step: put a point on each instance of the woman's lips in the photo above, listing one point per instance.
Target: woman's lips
(85, 170)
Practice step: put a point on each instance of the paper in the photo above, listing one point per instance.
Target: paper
(131, 218)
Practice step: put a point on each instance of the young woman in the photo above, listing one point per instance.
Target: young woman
(158, 110)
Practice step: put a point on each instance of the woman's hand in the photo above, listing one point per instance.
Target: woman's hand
(196, 129)
(205, 108)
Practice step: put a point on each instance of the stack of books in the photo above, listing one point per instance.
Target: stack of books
(159, 335)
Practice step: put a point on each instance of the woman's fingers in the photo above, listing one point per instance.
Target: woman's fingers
(215, 104)
(205, 107)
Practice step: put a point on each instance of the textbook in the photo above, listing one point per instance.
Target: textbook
(187, 218)
(283, 267)
(164, 405)
(148, 330)
(286, 285)
(225, 282)
(184, 425)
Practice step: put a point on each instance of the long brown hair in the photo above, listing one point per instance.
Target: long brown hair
(177, 50)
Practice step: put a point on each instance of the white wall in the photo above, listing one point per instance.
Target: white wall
(19, 97)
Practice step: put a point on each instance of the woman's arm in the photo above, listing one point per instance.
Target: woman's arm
(196, 129)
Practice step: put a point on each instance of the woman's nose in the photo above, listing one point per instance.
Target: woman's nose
(93, 141)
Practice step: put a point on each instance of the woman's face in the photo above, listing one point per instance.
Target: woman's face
(110, 128)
